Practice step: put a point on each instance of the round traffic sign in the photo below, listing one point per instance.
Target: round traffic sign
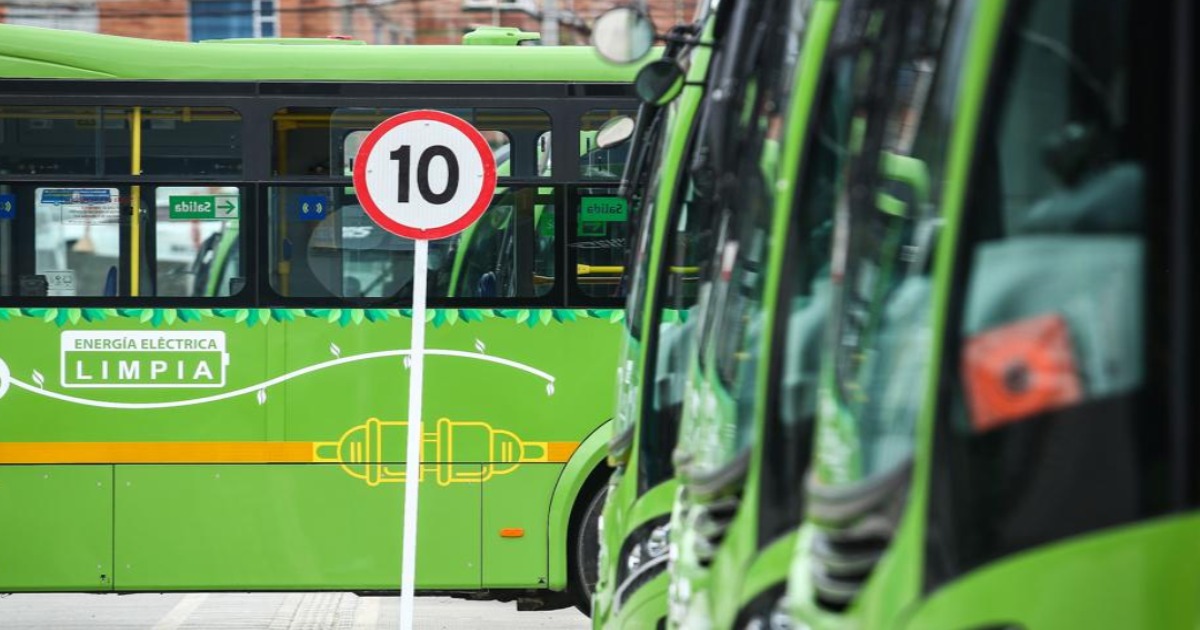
(424, 174)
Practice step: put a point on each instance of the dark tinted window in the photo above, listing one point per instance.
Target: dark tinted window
(86, 140)
(1054, 423)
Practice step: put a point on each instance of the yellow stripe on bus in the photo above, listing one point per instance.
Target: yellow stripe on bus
(154, 452)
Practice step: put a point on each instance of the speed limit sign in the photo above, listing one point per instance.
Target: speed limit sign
(424, 174)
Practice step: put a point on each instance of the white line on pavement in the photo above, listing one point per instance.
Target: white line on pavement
(178, 615)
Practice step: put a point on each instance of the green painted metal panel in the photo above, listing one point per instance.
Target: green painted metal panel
(647, 607)
(513, 394)
(56, 524)
(313, 397)
(44, 363)
(519, 500)
(40, 53)
(768, 568)
(231, 527)
(1142, 576)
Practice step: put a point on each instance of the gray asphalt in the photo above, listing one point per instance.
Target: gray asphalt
(267, 611)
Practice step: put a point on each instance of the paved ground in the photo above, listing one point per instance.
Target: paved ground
(266, 611)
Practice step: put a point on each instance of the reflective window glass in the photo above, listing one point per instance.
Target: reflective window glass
(336, 250)
(323, 141)
(85, 140)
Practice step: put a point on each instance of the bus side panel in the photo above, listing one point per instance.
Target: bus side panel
(56, 524)
(519, 500)
(512, 391)
(233, 527)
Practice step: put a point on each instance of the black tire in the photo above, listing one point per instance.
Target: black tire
(585, 552)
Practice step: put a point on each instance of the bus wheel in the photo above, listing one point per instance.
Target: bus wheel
(585, 552)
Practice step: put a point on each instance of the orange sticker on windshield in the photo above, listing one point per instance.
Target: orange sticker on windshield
(1015, 371)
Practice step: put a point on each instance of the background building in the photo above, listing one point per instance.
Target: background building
(374, 21)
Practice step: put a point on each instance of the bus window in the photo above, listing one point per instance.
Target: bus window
(43, 140)
(322, 141)
(78, 248)
(340, 252)
(194, 232)
(82, 234)
(509, 252)
(599, 243)
(85, 140)
(192, 141)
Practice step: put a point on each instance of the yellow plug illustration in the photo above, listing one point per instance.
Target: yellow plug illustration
(365, 454)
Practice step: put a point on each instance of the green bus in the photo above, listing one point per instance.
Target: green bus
(203, 340)
(1006, 429)
(749, 406)
(673, 240)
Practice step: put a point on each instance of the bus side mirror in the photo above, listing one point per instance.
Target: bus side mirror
(614, 131)
(659, 82)
(623, 34)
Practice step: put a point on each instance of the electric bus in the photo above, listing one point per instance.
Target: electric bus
(204, 340)
(749, 407)
(674, 238)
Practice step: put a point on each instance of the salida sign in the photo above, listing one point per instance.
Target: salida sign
(144, 359)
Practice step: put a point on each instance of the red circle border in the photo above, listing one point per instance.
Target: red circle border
(486, 193)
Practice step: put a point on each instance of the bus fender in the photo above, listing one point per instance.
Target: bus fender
(590, 453)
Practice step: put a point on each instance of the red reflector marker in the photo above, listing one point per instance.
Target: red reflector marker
(1018, 370)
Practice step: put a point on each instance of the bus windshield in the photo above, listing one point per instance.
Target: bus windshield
(738, 324)
(887, 216)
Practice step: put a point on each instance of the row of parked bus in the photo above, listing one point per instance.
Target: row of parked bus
(909, 329)
(907, 340)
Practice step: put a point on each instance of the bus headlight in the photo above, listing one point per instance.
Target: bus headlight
(645, 557)
(654, 546)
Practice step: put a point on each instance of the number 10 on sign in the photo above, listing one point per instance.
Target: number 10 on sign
(443, 191)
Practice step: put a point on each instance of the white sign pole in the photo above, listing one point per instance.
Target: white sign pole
(412, 464)
(422, 175)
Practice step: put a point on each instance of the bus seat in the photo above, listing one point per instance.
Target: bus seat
(486, 287)
(110, 282)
